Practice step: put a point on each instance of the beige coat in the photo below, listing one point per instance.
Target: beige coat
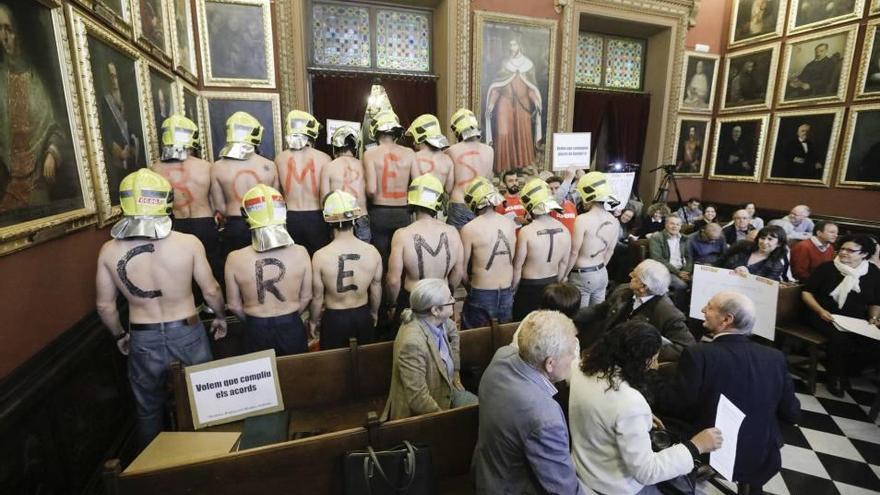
(419, 381)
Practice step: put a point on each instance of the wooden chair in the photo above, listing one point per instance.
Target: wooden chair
(790, 325)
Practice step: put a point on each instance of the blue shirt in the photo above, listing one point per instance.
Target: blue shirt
(443, 347)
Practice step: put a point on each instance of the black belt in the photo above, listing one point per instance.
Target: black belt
(167, 325)
(588, 269)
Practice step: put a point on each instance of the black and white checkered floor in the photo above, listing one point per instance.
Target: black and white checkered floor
(834, 450)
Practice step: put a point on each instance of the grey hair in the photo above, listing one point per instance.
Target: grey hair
(654, 275)
(426, 294)
(741, 308)
(546, 334)
(805, 208)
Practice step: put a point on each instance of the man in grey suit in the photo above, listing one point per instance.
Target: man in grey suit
(523, 444)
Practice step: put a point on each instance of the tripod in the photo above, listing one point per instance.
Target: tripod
(663, 189)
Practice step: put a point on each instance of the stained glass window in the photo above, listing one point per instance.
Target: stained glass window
(403, 40)
(623, 63)
(588, 71)
(341, 35)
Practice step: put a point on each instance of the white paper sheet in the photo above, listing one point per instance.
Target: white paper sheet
(728, 419)
(856, 325)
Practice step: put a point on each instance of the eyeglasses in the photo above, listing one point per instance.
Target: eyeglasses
(848, 250)
(447, 304)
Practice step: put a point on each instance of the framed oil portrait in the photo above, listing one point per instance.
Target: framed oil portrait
(691, 145)
(860, 162)
(816, 67)
(113, 86)
(756, 20)
(804, 143)
(738, 145)
(811, 14)
(698, 82)
(748, 79)
(868, 83)
(189, 103)
(182, 39)
(45, 188)
(514, 56)
(116, 13)
(163, 101)
(875, 7)
(265, 107)
(151, 28)
(236, 39)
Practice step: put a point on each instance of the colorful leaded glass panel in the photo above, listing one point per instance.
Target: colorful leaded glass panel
(403, 40)
(588, 71)
(623, 64)
(341, 35)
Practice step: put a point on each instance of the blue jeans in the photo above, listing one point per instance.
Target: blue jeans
(482, 305)
(458, 214)
(150, 355)
(362, 228)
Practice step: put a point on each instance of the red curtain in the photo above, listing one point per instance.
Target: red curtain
(625, 117)
(589, 111)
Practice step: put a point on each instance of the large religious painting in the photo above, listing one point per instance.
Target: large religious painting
(113, 85)
(749, 76)
(860, 163)
(755, 20)
(237, 43)
(44, 175)
(513, 95)
(698, 86)
(164, 104)
(868, 85)
(804, 142)
(151, 28)
(816, 67)
(811, 14)
(691, 146)
(265, 107)
(738, 148)
(183, 42)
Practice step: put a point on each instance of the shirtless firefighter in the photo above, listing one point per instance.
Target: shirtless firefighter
(430, 142)
(153, 267)
(347, 279)
(489, 245)
(346, 173)
(470, 159)
(542, 249)
(299, 170)
(269, 282)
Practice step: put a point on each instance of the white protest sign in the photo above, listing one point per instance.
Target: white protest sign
(764, 292)
(621, 185)
(230, 389)
(333, 124)
(571, 150)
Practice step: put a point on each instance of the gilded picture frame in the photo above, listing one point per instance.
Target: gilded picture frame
(837, 59)
(248, 58)
(183, 44)
(541, 35)
(785, 147)
(152, 31)
(869, 65)
(215, 137)
(189, 103)
(875, 7)
(163, 101)
(702, 127)
(746, 167)
(691, 100)
(745, 89)
(115, 13)
(135, 153)
(852, 175)
(66, 207)
(800, 20)
(769, 25)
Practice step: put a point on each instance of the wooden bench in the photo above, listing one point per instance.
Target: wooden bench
(792, 327)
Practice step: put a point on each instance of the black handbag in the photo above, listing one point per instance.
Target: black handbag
(405, 469)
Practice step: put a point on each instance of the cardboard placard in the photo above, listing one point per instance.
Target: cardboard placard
(571, 150)
(230, 389)
(764, 292)
(333, 124)
(621, 184)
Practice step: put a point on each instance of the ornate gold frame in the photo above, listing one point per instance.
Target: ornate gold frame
(759, 155)
(123, 25)
(833, 141)
(858, 9)
(148, 89)
(205, 42)
(480, 19)
(875, 7)
(777, 31)
(699, 118)
(162, 54)
(81, 27)
(176, 56)
(771, 79)
(182, 85)
(845, 67)
(865, 60)
(208, 153)
(713, 80)
(852, 119)
(22, 235)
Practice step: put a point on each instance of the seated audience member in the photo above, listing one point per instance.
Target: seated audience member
(752, 376)
(425, 371)
(621, 262)
(611, 419)
(527, 452)
(670, 248)
(654, 219)
(643, 299)
(691, 212)
(739, 228)
(797, 223)
(808, 254)
(875, 258)
(627, 226)
(710, 215)
(766, 257)
(563, 297)
(756, 221)
(707, 245)
(847, 286)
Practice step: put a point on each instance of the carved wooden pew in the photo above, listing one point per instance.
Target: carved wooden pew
(792, 327)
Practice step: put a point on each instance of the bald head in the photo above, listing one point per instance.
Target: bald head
(798, 214)
(729, 312)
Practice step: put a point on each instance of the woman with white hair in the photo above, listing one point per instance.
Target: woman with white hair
(425, 369)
